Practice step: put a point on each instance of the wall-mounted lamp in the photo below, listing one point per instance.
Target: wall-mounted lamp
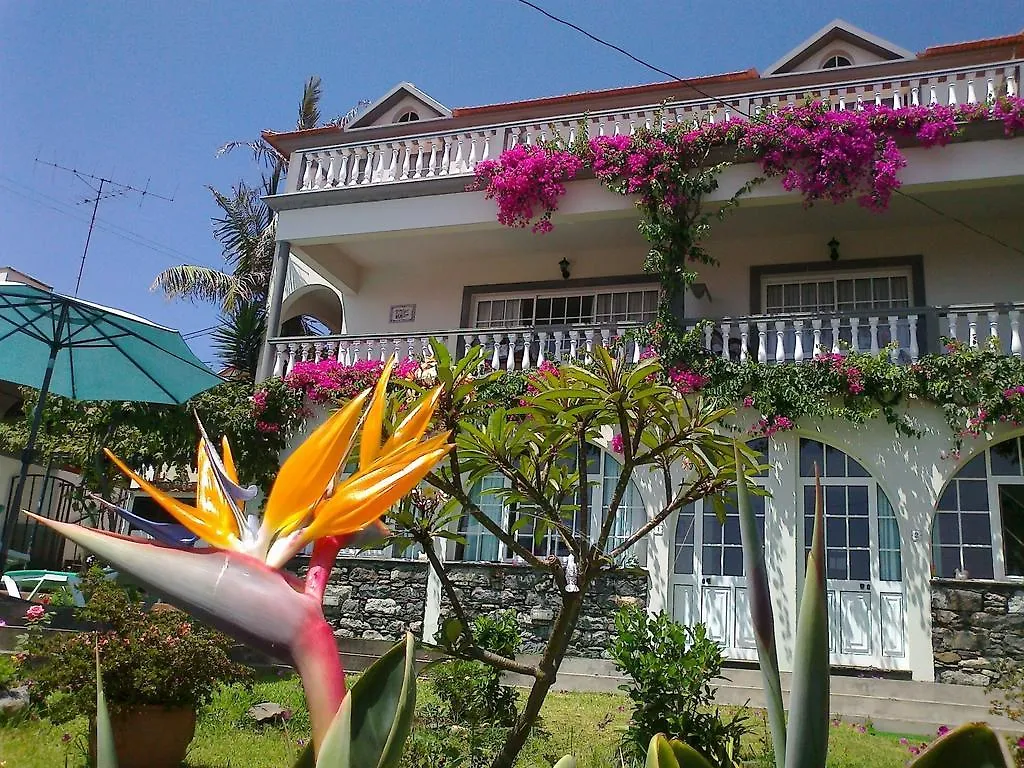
(700, 291)
(564, 266)
(833, 249)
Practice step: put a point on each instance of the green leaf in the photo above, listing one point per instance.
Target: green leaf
(307, 759)
(106, 757)
(660, 753)
(973, 744)
(808, 699)
(687, 756)
(336, 750)
(761, 615)
(383, 704)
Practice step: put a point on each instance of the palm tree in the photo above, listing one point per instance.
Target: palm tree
(245, 229)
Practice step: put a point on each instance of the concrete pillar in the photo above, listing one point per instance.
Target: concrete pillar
(275, 300)
(782, 547)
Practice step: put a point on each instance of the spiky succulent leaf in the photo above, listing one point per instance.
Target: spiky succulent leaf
(106, 757)
(383, 702)
(809, 697)
(973, 745)
(336, 749)
(761, 614)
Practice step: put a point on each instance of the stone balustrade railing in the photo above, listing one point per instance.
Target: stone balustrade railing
(906, 334)
(456, 153)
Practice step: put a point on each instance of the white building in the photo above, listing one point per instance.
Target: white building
(379, 211)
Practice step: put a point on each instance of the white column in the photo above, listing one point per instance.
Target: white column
(432, 604)
(659, 541)
(782, 552)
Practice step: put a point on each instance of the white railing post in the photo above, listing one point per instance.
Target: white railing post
(744, 339)
(816, 336)
(280, 360)
(972, 329)
(292, 349)
(873, 331)
(855, 334)
(835, 322)
(798, 341)
(1015, 342)
(559, 349)
(915, 351)
(953, 319)
(780, 352)
(726, 329)
(762, 342)
(894, 351)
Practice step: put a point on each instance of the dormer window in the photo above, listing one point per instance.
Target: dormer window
(408, 116)
(837, 60)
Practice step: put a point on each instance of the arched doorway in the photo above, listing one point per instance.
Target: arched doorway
(978, 530)
(708, 581)
(314, 310)
(863, 561)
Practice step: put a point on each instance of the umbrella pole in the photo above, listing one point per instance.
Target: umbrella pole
(26, 454)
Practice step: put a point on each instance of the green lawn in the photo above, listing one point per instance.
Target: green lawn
(584, 724)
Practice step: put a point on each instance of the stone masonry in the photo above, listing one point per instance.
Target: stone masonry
(976, 627)
(487, 587)
(373, 599)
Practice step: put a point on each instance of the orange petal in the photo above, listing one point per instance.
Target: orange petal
(416, 423)
(369, 440)
(188, 516)
(229, 460)
(365, 498)
(211, 501)
(306, 474)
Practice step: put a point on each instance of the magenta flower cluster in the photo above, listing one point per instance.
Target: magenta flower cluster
(329, 380)
(840, 364)
(769, 425)
(617, 445)
(822, 153)
(685, 381)
(527, 182)
(1014, 393)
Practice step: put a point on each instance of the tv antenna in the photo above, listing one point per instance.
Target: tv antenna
(102, 189)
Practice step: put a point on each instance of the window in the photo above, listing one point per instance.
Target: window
(978, 530)
(847, 490)
(838, 60)
(603, 472)
(408, 117)
(550, 308)
(721, 549)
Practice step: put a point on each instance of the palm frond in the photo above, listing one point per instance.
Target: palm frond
(238, 340)
(264, 155)
(246, 232)
(196, 283)
(309, 107)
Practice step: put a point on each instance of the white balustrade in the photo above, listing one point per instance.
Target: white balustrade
(456, 153)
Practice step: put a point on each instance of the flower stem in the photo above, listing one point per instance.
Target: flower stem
(321, 562)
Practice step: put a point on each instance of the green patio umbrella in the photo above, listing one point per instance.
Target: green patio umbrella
(86, 351)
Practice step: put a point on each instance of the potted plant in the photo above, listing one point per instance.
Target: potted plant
(158, 667)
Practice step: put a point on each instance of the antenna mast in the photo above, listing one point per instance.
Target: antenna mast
(102, 189)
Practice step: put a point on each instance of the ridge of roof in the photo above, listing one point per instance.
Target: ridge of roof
(727, 77)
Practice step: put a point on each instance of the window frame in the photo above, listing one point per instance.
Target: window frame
(799, 278)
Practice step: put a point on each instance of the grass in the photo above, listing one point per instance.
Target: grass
(584, 724)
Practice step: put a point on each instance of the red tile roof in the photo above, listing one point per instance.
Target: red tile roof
(976, 45)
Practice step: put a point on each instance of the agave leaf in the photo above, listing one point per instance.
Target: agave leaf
(383, 702)
(660, 754)
(687, 756)
(307, 758)
(761, 614)
(336, 749)
(106, 757)
(973, 744)
(809, 697)
(566, 762)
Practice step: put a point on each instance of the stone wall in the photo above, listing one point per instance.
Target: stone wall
(373, 599)
(976, 626)
(487, 587)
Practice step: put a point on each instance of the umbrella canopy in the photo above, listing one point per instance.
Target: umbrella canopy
(86, 351)
(101, 353)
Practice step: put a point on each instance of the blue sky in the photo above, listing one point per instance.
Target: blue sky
(148, 91)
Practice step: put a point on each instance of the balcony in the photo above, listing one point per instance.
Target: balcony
(774, 339)
(455, 153)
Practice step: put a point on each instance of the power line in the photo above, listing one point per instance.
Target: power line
(689, 83)
(200, 332)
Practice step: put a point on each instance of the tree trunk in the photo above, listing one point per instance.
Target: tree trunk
(557, 645)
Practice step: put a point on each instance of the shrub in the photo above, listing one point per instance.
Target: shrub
(148, 657)
(672, 667)
(470, 691)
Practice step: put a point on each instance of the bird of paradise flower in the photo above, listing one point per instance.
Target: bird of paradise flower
(237, 582)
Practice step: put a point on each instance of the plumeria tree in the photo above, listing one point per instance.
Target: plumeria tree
(539, 445)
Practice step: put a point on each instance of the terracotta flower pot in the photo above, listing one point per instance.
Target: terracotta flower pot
(149, 736)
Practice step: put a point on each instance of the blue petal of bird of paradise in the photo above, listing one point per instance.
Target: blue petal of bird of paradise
(172, 534)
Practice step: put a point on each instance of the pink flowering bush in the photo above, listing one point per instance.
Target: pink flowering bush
(769, 425)
(685, 381)
(847, 370)
(527, 182)
(329, 380)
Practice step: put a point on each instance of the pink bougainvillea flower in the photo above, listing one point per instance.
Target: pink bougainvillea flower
(35, 613)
